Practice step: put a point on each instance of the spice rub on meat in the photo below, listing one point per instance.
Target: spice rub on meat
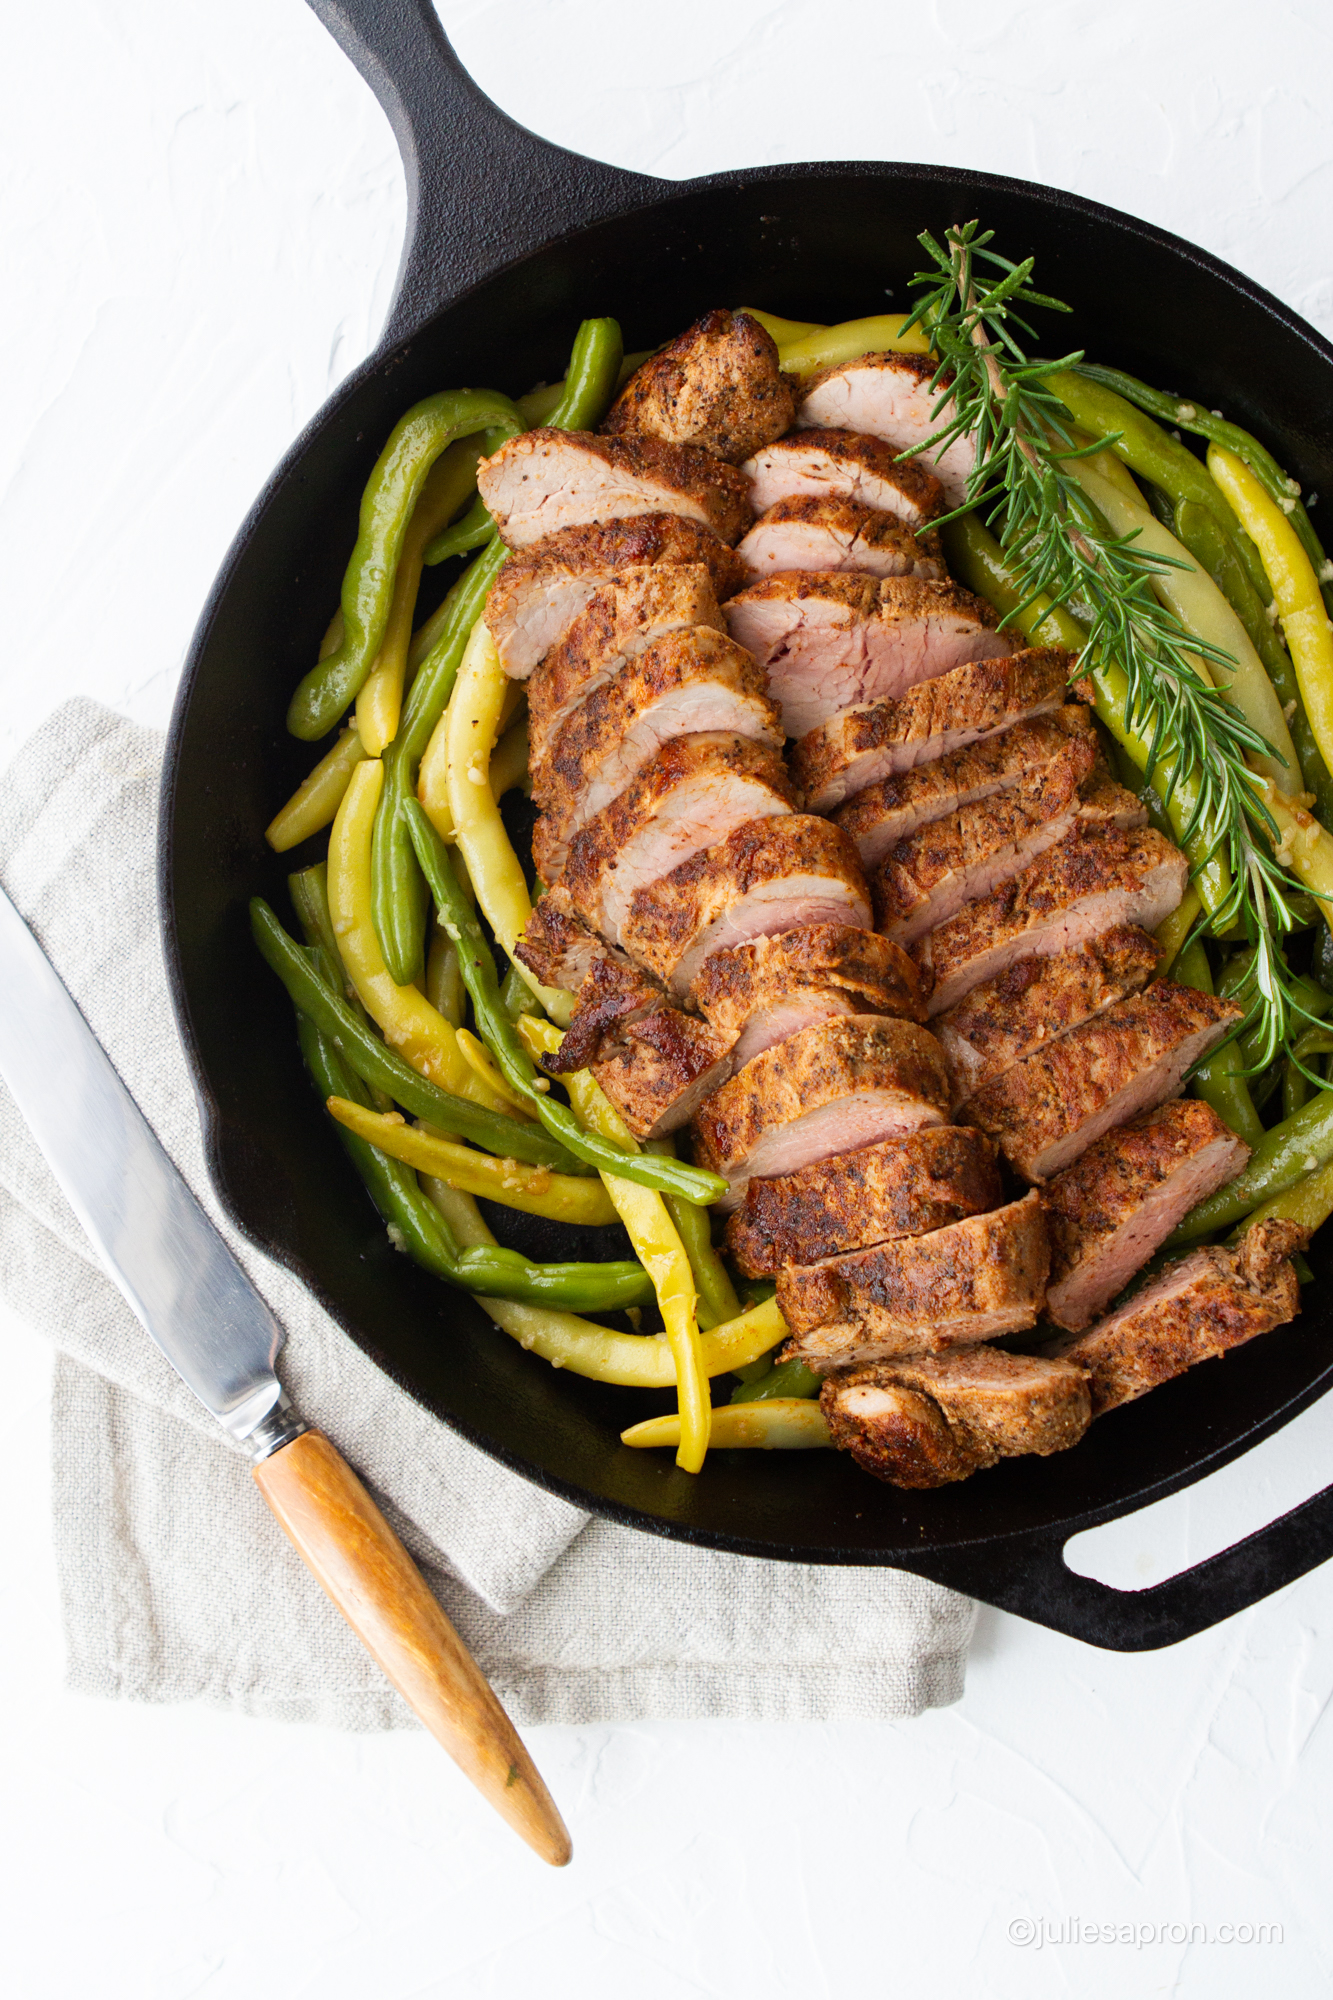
(717, 385)
(842, 464)
(930, 1419)
(622, 619)
(899, 1187)
(544, 480)
(1197, 1308)
(890, 396)
(661, 1068)
(827, 531)
(972, 1281)
(772, 987)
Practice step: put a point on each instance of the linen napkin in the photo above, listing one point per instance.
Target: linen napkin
(175, 1582)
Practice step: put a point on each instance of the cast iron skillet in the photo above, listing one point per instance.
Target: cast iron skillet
(510, 243)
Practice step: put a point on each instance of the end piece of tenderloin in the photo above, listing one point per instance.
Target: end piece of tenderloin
(929, 875)
(835, 463)
(972, 1281)
(1036, 1000)
(661, 1069)
(931, 1419)
(772, 987)
(899, 1187)
(1197, 1308)
(1011, 759)
(1095, 880)
(1116, 1205)
(690, 684)
(542, 589)
(560, 948)
(613, 995)
(690, 796)
(621, 619)
(772, 875)
(830, 1089)
(831, 641)
(717, 385)
(860, 749)
(827, 531)
(889, 396)
(545, 480)
(1049, 1108)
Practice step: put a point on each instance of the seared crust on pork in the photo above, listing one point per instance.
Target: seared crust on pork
(874, 975)
(901, 1187)
(930, 1419)
(772, 875)
(856, 750)
(1111, 1210)
(613, 996)
(976, 1279)
(827, 531)
(661, 1068)
(1050, 1107)
(545, 480)
(718, 385)
(622, 617)
(844, 463)
(560, 948)
(1198, 1307)
(890, 396)
(1036, 1000)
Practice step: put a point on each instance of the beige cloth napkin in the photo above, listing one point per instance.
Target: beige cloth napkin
(176, 1584)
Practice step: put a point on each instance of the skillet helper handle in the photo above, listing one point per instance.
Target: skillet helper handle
(349, 1547)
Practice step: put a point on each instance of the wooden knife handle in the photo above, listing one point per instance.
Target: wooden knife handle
(342, 1537)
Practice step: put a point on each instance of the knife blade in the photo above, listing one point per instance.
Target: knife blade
(198, 1307)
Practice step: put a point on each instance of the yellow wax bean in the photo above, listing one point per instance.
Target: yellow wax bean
(535, 1190)
(833, 345)
(1304, 846)
(784, 331)
(313, 804)
(480, 1058)
(788, 1423)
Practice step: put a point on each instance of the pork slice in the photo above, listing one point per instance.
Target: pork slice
(858, 749)
(826, 531)
(1116, 1205)
(690, 684)
(830, 1089)
(1096, 879)
(771, 987)
(613, 996)
(545, 480)
(620, 621)
(1198, 1307)
(839, 463)
(828, 641)
(898, 805)
(1049, 1108)
(976, 1279)
(1036, 1000)
(661, 1068)
(542, 589)
(773, 875)
(900, 1187)
(717, 385)
(690, 796)
(560, 948)
(933, 1418)
(890, 396)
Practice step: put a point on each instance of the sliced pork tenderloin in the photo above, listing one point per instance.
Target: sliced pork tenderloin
(972, 1281)
(890, 396)
(621, 620)
(772, 987)
(545, 480)
(934, 1418)
(1116, 1205)
(833, 463)
(717, 385)
(542, 589)
(661, 1069)
(829, 641)
(612, 997)
(561, 949)
(1096, 879)
(900, 1187)
(1049, 1108)
(826, 531)
(774, 875)
(830, 1089)
(1036, 1000)
(1198, 1307)
(862, 747)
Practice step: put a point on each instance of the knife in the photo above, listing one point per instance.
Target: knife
(200, 1309)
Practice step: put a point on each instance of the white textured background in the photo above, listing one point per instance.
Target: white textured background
(202, 213)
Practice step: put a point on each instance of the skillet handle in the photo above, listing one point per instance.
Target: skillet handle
(1029, 1576)
(482, 191)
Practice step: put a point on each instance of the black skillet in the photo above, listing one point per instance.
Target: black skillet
(510, 243)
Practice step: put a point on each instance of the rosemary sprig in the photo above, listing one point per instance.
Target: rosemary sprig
(972, 309)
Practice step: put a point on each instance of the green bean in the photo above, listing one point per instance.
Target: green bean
(1284, 1156)
(789, 1378)
(1219, 1079)
(500, 1036)
(309, 891)
(471, 530)
(590, 381)
(1236, 982)
(376, 1064)
(504, 1274)
(416, 441)
(1321, 959)
(444, 981)
(517, 997)
(717, 1295)
(1295, 1080)
(1309, 1203)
